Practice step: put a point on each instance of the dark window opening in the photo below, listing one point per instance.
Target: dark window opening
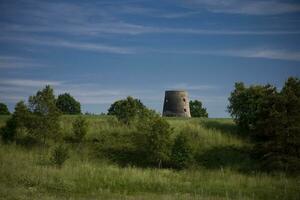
(184, 110)
(184, 99)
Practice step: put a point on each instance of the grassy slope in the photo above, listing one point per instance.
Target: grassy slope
(25, 174)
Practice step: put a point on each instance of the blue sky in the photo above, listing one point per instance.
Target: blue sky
(101, 51)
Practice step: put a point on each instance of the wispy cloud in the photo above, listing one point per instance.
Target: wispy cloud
(11, 62)
(28, 82)
(84, 46)
(98, 21)
(186, 86)
(245, 53)
(100, 29)
(248, 7)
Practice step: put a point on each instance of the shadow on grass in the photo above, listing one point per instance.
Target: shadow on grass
(227, 156)
(223, 127)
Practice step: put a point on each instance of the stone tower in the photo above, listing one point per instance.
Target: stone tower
(176, 104)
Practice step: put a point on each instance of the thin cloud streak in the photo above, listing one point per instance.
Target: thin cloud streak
(244, 53)
(28, 82)
(186, 86)
(100, 29)
(246, 7)
(95, 47)
(13, 62)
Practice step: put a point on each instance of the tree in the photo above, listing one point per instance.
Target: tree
(18, 120)
(197, 110)
(68, 105)
(59, 155)
(154, 137)
(181, 151)
(244, 102)
(272, 120)
(3, 109)
(44, 122)
(80, 128)
(126, 110)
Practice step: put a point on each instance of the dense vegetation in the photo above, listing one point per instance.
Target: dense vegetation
(134, 152)
(272, 120)
(3, 109)
(222, 169)
(68, 104)
(197, 110)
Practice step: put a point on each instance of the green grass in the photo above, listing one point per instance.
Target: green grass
(225, 170)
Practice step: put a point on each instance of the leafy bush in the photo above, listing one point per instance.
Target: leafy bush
(181, 152)
(8, 132)
(80, 128)
(3, 109)
(153, 138)
(44, 122)
(67, 104)
(19, 120)
(126, 110)
(273, 120)
(59, 155)
(244, 103)
(197, 110)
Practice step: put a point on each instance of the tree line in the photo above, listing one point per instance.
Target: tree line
(268, 116)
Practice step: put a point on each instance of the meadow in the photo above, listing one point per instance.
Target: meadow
(223, 168)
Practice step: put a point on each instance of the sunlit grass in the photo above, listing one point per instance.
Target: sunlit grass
(26, 174)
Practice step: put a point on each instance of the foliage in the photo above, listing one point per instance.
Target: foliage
(19, 120)
(181, 152)
(126, 110)
(83, 177)
(68, 105)
(3, 109)
(80, 128)
(244, 103)
(154, 139)
(59, 155)
(272, 119)
(197, 110)
(44, 122)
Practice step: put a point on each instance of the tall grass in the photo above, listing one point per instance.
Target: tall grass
(27, 174)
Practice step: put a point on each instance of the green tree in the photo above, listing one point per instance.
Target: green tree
(181, 151)
(80, 128)
(59, 155)
(154, 137)
(126, 110)
(68, 105)
(197, 110)
(44, 122)
(3, 109)
(276, 132)
(272, 119)
(19, 120)
(244, 103)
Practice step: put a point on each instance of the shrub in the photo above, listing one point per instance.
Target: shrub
(8, 132)
(67, 104)
(126, 110)
(153, 138)
(197, 110)
(273, 120)
(3, 109)
(80, 128)
(181, 152)
(59, 155)
(19, 120)
(44, 122)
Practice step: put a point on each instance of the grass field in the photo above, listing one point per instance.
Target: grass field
(224, 169)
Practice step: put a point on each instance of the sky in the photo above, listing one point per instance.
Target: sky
(101, 51)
